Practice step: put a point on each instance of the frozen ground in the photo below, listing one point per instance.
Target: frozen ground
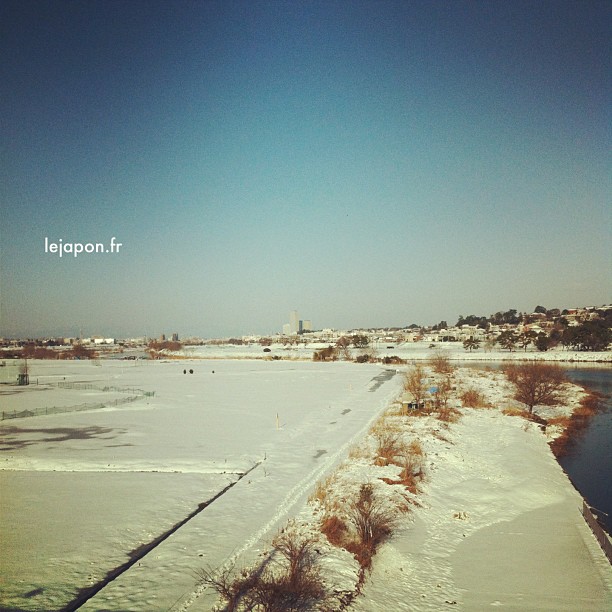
(405, 350)
(82, 490)
(496, 524)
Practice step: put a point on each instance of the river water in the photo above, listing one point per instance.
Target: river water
(589, 461)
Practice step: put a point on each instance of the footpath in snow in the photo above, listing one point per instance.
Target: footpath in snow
(500, 526)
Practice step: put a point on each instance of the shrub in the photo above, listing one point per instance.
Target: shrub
(442, 392)
(319, 494)
(389, 445)
(327, 354)
(415, 383)
(472, 398)
(412, 472)
(415, 448)
(393, 359)
(440, 363)
(449, 414)
(295, 585)
(372, 523)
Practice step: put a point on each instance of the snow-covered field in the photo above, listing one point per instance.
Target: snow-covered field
(404, 350)
(82, 490)
(496, 522)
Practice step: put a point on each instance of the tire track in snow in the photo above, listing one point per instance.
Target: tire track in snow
(296, 493)
(87, 593)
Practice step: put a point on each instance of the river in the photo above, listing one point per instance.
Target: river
(589, 461)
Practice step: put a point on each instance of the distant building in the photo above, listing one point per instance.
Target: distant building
(175, 337)
(294, 322)
(98, 340)
(296, 325)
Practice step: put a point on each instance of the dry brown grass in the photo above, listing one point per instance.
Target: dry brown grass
(449, 414)
(289, 580)
(514, 411)
(412, 473)
(415, 448)
(390, 446)
(575, 424)
(358, 452)
(472, 398)
(372, 523)
(411, 463)
(561, 421)
(321, 491)
(525, 414)
(335, 530)
(395, 410)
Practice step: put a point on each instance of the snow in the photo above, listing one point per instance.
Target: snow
(160, 457)
(496, 522)
(500, 526)
(409, 351)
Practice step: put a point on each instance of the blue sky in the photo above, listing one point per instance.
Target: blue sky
(367, 163)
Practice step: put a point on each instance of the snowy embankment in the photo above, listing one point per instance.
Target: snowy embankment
(499, 523)
(493, 510)
(409, 351)
(120, 477)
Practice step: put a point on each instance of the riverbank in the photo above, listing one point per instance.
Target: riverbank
(491, 519)
(408, 351)
(454, 479)
(499, 525)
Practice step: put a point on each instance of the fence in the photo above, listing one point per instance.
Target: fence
(139, 393)
(598, 531)
(90, 387)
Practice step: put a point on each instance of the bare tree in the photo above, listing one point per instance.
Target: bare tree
(415, 383)
(440, 362)
(442, 392)
(537, 383)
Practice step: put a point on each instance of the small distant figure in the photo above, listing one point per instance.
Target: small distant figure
(213, 371)
(184, 371)
(191, 371)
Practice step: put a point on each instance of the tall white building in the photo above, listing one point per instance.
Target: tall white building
(295, 326)
(294, 322)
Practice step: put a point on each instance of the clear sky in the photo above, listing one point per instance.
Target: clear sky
(366, 163)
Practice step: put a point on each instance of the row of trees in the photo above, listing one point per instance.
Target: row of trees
(589, 336)
(512, 317)
(76, 351)
(535, 383)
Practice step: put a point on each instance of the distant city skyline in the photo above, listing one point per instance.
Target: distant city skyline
(287, 328)
(206, 167)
